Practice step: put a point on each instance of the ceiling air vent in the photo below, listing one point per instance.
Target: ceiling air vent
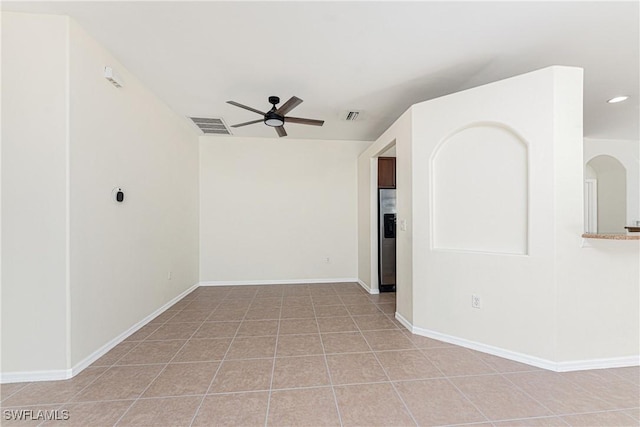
(211, 125)
(351, 116)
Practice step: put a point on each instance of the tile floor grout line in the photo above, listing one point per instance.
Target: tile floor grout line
(119, 358)
(526, 393)
(617, 374)
(161, 371)
(459, 391)
(465, 424)
(406, 407)
(467, 398)
(326, 366)
(273, 365)
(570, 414)
(581, 387)
(107, 369)
(195, 414)
(157, 376)
(599, 383)
(2, 399)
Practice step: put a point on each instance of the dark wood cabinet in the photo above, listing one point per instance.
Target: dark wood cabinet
(386, 172)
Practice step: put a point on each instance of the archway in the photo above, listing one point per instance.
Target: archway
(610, 204)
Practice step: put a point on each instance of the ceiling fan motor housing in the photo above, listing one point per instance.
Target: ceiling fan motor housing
(273, 119)
(274, 100)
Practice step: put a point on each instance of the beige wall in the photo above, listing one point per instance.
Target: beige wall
(34, 192)
(79, 270)
(121, 254)
(275, 209)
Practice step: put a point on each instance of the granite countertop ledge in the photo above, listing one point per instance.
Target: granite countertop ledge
(630, 236)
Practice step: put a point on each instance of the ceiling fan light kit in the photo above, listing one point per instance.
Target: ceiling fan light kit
(276, 117)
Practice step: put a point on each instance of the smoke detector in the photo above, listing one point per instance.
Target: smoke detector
(113, 77)
(211, 125)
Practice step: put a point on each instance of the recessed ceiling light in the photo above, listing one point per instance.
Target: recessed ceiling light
(617, 99)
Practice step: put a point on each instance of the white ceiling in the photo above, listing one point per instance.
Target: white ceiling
(375, 57)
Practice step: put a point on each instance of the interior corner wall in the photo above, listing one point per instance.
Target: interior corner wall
(127, 259)
(34, 196)
(78, 269)
(400, 134)
(277, 210)
(626, 152)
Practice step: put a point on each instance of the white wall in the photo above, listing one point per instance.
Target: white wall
(79, 269)
(517, 291)
(611, 179)
(627, 153)
(476, 206)
(34, 192)
(599, 281)
(566, 303)
(121, 254)
(276, 209)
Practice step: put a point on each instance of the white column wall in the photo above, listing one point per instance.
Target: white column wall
(517, 291)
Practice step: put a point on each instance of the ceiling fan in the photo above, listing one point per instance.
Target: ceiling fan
(275, 117)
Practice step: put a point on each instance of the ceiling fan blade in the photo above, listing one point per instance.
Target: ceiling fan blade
(247, 123)
(301, 121)
(245, 107)
(292, 103)
(281, 131)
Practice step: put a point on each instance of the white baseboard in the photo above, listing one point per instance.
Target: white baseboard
(368, 288)
(404, 322)
(612, 362)
(276, 282)
(63, 374)
(566, 366)
(19, 377)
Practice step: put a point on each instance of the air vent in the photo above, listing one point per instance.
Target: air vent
(351, 116)
(210, 125)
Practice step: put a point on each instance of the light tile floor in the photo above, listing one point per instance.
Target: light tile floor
(315, 355)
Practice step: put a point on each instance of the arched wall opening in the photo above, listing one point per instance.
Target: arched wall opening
(610, 201)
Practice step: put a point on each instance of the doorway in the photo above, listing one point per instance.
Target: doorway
(386, 220)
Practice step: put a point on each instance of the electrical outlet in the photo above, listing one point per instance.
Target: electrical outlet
(327, 260)
(476, 301)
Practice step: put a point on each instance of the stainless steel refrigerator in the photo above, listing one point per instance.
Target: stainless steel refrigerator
(387, 240)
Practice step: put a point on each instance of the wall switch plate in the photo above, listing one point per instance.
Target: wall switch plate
(476, 301)
(403, 225)
(327, 260)
(169, 275)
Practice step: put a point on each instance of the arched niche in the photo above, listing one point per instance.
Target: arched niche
(611, 186)
(480, 191)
